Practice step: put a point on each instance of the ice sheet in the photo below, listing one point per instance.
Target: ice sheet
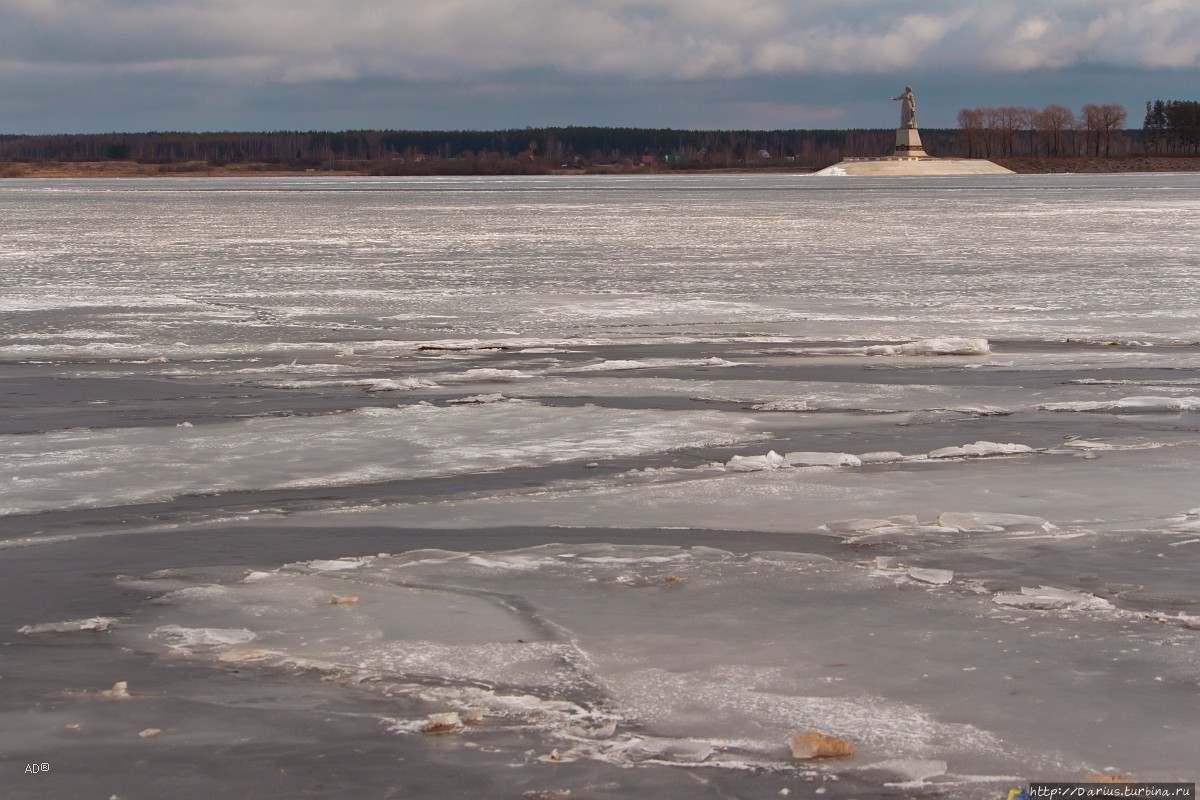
(631, 655)
(980, 413)
(85, 468)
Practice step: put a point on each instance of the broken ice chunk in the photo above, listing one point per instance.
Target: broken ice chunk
(938, 577)
(881, 457)
(771, 460)
(1148, 403)
(948, 346)
(990, 522)
(811, 459)
(980, 449)
(95, 624)
(239, 655)
(908, 769)
(200, 639)
(1048, 598)
(1086, 444)
(858, 525)
(334, 565)
(477, 399)
(684, 750)
(448, 722)
(782, 405)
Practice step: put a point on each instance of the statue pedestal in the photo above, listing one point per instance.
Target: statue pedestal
(908, 143)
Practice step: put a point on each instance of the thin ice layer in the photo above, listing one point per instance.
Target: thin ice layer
(83, 468)
(692, 652)
(1120, 489)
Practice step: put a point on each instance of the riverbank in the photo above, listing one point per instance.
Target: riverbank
(1093, 164)
(133, 169)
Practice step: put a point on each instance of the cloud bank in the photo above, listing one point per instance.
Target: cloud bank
(460, 44)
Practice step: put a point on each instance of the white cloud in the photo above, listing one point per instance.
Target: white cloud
(296, 40)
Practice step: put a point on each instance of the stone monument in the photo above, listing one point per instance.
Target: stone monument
(908, 158)
(908, 140)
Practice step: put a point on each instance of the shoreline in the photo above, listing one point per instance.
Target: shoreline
(133, 169)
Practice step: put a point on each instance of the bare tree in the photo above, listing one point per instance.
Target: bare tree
(1055, 121)
(993, 122)
(1102, 122)
(1009, 121)
(1027, 118)
(970, 121)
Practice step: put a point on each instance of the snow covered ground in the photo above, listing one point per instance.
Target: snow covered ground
(637, 476)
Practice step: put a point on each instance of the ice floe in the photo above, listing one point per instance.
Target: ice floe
(816, 459)
(368, 384)
(981, 449)
(1128, 404)
(83, 468)
(649, 363)
(949, 346)
(666, 674)
(938, 577)
(184, 639)
(881, 457)
(771, 460)
(981, 521)
(1048, 598)
(783, 405)
(479, 399)
(91, 624)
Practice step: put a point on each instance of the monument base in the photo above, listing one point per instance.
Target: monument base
(910, 159)
(908, 143)
(913, 166)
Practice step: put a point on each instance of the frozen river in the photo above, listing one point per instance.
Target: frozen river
(639, 476)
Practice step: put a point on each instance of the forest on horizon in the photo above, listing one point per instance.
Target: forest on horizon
(1170, 128)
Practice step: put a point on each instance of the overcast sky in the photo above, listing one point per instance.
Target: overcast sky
(134, 65)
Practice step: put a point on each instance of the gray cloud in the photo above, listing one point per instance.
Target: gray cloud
(465, 46)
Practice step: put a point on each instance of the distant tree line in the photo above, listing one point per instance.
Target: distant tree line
(1054, 131)
(513, 150)
(1172, 127)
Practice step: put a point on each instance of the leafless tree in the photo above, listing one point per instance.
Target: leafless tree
(1102, 122)
(993, 124)
(1055, 122)
(970, 121)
